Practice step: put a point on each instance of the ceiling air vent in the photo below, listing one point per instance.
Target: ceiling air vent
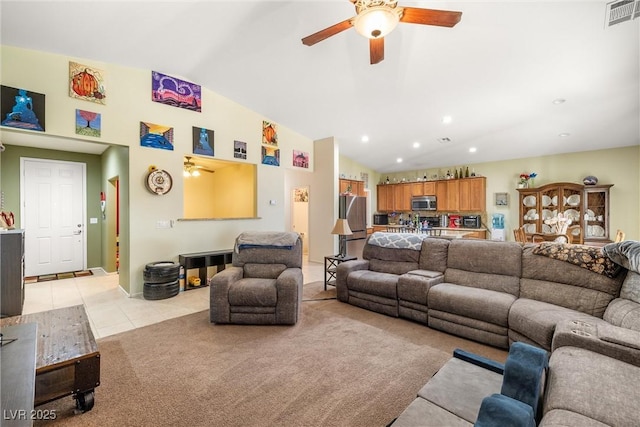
(621, 11)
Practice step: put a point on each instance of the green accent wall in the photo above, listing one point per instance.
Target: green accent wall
(10, 186)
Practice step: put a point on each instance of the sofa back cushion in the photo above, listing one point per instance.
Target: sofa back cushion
(433, 256)
(263, 271)
(565, 284)
(390, 260)
(485, 264)
(269, 255)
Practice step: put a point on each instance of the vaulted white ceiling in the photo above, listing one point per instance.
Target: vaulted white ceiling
(496, 73)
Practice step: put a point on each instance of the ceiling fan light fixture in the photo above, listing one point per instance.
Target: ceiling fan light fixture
(376, 21)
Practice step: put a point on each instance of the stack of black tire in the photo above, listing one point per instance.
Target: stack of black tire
(161, 280)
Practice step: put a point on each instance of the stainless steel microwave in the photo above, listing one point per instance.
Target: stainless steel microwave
(423, 203)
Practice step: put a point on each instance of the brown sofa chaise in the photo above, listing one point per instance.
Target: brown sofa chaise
(501, 292)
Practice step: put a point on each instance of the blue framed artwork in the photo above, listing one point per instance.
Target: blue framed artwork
(202, 141)
(156, 136)
(270, 156)
(175, 92)
(21, 108)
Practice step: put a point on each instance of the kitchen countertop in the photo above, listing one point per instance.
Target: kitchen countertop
(458, 232)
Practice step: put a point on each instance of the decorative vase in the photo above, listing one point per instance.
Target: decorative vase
(531, 183)
(590, 180)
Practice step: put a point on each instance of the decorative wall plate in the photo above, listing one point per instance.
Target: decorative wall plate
(159, 181)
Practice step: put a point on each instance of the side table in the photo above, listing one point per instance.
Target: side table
(330, 265)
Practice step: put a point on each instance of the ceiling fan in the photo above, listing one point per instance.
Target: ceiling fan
(191, 169)
(376, 18)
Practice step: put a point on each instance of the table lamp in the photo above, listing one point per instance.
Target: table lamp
(342, 229)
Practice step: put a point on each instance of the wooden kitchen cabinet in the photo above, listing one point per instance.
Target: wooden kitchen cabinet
(356, 187)
(402, 200)
(472, 194)
(386, 194)
(429, 188)
(453, 195)
(447, 195)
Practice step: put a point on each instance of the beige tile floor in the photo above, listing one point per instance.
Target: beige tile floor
(111, 311)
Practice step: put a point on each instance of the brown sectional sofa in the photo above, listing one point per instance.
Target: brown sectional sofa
(501, 292)
(491, 292)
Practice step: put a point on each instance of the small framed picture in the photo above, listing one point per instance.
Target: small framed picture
(502, 199)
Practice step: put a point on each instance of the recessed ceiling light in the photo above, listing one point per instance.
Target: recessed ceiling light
(559, 101)
(447, 119)
(399, 160)
(365, 138)
(473, 149)
(444, 140)
(416, 145)
(564, 135)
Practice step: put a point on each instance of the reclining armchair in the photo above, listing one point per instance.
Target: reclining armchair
(264, 285)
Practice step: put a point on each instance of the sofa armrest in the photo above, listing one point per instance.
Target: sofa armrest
(289, 288)
(342, 272)
(624, 313)
(600, 337)
(219, 291)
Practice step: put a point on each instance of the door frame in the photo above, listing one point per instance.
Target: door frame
(84, 198)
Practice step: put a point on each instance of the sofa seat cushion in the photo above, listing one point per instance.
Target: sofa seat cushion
(422, 413)
(254, 292)
(373, 282)
(537, 320)
(480, 304)
(460, 386)
(563, 418)
(593, 385)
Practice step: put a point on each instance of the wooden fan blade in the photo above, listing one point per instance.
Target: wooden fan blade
(376, 50)
(328, 32)
(442, 18)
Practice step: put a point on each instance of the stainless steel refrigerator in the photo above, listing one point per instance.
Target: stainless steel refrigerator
(354, 210)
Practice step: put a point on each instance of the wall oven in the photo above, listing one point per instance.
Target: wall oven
(423, 203)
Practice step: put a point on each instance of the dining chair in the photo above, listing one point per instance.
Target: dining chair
(575, 234)
(520, 235)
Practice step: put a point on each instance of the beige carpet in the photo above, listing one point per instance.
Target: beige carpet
(339, 366)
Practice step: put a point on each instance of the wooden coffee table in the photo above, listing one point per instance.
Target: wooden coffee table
(67, 356)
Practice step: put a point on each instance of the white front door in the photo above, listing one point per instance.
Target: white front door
(52, 215)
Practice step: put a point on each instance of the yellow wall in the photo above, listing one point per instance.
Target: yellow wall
(230, 192)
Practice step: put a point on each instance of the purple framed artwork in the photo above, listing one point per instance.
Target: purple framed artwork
(300, 159)
(156, 136)
(21, 108)
(88, 123)
(86, 83)
(175, 92)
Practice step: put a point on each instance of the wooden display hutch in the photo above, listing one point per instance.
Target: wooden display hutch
(585, 205)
